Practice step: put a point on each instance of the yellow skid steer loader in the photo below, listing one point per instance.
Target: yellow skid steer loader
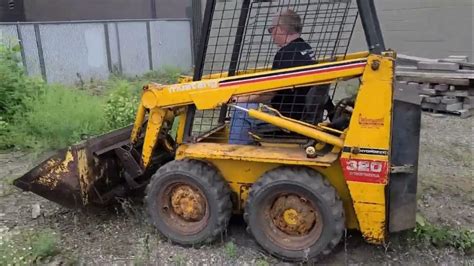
(300, 172)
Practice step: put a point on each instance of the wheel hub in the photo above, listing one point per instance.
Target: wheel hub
(293, 215)
(188, 203)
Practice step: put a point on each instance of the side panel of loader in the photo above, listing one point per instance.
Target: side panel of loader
(365, 158)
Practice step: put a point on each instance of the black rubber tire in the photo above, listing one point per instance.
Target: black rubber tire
(317, 189)
(212, 185)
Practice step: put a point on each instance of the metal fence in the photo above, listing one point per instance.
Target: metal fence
(68, 52)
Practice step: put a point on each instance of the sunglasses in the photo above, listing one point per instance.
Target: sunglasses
(271, 29)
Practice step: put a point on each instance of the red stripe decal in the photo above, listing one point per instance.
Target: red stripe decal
(292, 75)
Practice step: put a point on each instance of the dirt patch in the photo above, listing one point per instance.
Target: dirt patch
(122, 235)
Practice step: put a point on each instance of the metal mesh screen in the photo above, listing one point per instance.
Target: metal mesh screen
(242, 37)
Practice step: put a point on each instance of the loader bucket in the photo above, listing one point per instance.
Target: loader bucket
(81, 175)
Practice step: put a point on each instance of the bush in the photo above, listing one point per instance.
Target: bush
(122, 101)
(124, 95)
(15, 86)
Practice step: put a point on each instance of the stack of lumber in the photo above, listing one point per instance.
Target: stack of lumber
(444, 85)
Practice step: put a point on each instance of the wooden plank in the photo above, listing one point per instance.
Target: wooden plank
(415, 69)
(444, 66)
(457, 82)
(407, 92)
(453, 107)
(458, 93)
(445, 75)
(466, 113)
(412, 60)
(441, 87)
(450, 99)
(435, 100)
(469, 100)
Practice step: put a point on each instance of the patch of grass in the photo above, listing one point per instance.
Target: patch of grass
(262, 262)
(7, 180)
(179, 260)
(230, 250)
(425, 232)
(6, 186)
(143, 252)
(167, 75)
(27, 247)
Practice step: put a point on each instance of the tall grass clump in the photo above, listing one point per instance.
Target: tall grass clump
(58, 117)
(39, 116)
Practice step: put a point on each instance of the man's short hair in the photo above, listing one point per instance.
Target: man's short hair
(291, 21)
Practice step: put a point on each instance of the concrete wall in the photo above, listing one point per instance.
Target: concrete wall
(68, 52)
(173, 9)
(427, 28)
(62, 10)
(65, 10)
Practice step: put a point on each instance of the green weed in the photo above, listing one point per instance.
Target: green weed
(230, 250)
(6, 186)
(27, 247)
(179, 260)
(143, 251)
(425, 232)
(262, 262)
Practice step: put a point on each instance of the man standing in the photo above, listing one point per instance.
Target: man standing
(294, 51)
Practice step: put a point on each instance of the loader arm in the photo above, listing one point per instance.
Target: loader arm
(161, 102)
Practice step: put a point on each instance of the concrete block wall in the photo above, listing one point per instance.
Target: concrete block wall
(70, 51)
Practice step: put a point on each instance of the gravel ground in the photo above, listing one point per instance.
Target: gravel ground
(122, 236)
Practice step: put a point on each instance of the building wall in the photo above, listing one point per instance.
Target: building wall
(173, 9)
(427, 28)
(65, 10)
(11, 10)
